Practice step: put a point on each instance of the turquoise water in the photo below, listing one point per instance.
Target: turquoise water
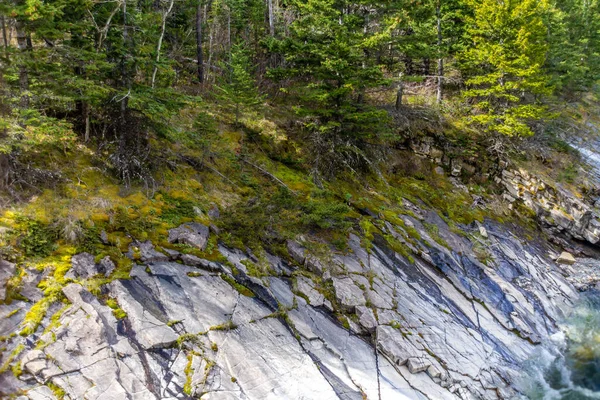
(567, 367)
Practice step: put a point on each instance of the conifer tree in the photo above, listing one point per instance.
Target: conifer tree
(239, 90)
(574, 44)
(504, 64)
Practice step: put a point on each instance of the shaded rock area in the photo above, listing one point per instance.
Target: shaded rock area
(357, 324)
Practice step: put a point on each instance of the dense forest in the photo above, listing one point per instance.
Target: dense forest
(116, 73)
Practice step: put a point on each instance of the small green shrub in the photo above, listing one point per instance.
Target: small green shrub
(38, 240)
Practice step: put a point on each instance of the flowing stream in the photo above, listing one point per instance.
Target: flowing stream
(567, 367)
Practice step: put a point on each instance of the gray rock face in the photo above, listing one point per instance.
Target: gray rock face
(296, 251)
(7, 270)
(584, 274)
(348, 293)
(441, 327)
(556, 207)
(82, 266)
(148, 253)
(192, 234)
(106, 266)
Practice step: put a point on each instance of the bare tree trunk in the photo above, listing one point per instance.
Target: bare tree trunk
(229, 30)
(440, 71)
(199, 55)
(4, 34)
(160, 40)
(399, 93)
(23, 44)
(211, 33)
(271, 18)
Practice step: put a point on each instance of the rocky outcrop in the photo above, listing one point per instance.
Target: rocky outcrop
(193, 234)
(84, 266)
(363, 324)
(558, 209)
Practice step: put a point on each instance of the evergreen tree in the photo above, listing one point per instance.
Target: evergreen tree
(326, 54)
(239, 90)
(574, 40)
(504, 64)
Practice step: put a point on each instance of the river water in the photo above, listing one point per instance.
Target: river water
(567, 367)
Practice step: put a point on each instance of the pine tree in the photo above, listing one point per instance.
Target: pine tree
(574, 39)
(239, 90)
(326, 55)
(504, 64)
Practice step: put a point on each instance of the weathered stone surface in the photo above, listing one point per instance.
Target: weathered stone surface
(566, 258)
(366, 317)
(41, 393)
(296, 251)
(192, 234)
(347, 293)
(11, 316)
(307, 288)
(416, 365)
(441, 327)
(191, 260)
(82, 266)
(89, 359)
(106, 266)
(7, 270)
(556, 207)
(148, 253)
(213, 212)
(29, 284)
(150, 331)
(584, 274)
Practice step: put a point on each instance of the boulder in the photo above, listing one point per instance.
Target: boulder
(213, 212)
(191, 260)
(29, 284)
(193, 234)
(483, 231)
(566, 258)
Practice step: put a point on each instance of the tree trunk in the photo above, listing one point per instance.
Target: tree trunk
(440, 69)
(4, 33)
(23, 44)
(199, 55)
(160, 40)
(399, 93)
(271, 18)
(211, 34)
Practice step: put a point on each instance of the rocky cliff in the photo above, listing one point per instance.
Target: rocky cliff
(447, 322)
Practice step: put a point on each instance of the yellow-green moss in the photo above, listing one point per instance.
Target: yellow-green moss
(14, 354)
